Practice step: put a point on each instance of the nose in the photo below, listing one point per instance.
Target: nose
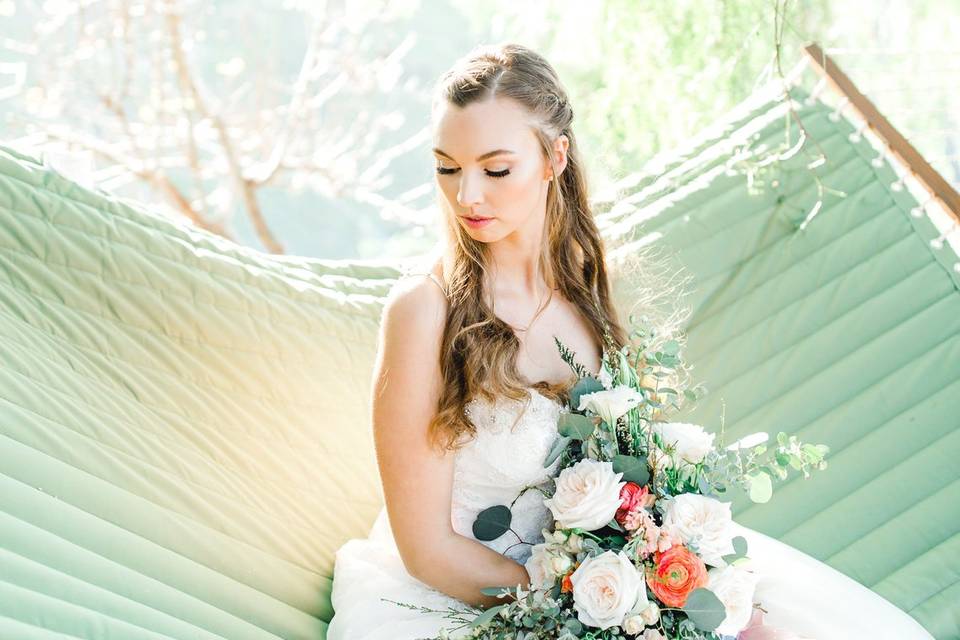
(470, 192)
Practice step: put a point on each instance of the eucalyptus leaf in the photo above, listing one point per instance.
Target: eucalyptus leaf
(689, 395)
(634, 468)
(739, 550)
(487, 616)
(740, 545)
(492, 522)
(574, 425)
(583, 387)
(761, 488)
(704, 609)
(574, 626)
(496, 591)
(558, 448)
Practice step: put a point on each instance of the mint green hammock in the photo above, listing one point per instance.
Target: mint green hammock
(185, 433)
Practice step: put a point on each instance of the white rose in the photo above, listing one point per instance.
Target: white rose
(605, 588)
(735, 587)
(540, 567)
(653, 634)
(702, 522)
(587, 495)
(690, 442)
(610, 404)
(633, 625)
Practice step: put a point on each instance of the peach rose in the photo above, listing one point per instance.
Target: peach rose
(678, 571)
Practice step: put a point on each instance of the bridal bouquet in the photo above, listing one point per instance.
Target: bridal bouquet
(641, 545)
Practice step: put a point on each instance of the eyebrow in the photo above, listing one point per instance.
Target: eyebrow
(489, 154)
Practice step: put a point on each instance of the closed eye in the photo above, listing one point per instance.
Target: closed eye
(444, 171)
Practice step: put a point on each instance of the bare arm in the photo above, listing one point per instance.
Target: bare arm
(417, 479)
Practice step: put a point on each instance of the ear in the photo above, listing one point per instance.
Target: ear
(560, 146)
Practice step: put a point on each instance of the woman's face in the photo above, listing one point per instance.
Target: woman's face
(490, 167)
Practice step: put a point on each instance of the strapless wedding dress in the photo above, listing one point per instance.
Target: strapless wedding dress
(801, 594)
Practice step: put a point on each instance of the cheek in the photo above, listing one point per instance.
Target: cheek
(517, 197)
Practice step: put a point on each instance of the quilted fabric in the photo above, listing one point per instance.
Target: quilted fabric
(845, 332)
(184, 428)
(185, 439)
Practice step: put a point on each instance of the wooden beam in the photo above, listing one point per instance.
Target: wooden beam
(899, 146)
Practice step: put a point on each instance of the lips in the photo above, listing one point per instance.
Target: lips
(476, 223)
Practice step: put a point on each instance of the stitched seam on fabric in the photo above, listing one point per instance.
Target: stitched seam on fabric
(909, 507)
(797, 383)
(154, 505)
(230, 470)
(100, 613)
(836, 240)
(171, 233)
(154, 289)
(889, 284)
(161, 471)
(180, 338)
(164, 376)
(146, 576)
(181, 382)
(879, 381)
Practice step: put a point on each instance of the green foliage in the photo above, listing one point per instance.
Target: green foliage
(493, 522)
(704, 609)
(634, 468)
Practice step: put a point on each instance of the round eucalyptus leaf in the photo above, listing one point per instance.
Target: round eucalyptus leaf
(761, 488)
(634, 468)
(704, 609)
(574, 425)
(583, 387)
(492, 522)
(740, 546)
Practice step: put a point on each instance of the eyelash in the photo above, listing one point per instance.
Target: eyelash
(493, 174)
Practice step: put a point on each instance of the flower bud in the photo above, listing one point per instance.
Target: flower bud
(633, 625)
(561, 564)
(650, 614)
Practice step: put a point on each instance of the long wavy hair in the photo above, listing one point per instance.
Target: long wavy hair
(478, 352)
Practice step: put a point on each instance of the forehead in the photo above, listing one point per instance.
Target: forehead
(497, 123)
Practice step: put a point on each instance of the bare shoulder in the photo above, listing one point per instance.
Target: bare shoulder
(416, 302)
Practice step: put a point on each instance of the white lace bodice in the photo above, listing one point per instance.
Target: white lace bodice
(500, 461)
(496, 465)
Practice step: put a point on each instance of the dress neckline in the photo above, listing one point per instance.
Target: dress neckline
(533, 388)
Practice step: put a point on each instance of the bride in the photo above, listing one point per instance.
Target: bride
(468, 381)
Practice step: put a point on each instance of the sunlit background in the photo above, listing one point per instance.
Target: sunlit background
(301, 127)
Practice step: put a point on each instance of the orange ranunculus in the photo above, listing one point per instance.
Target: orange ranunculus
(567, 584)
(632, 497)
(678, 572)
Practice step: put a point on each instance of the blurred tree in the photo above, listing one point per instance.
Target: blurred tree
(181, 96)
(646, 75)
